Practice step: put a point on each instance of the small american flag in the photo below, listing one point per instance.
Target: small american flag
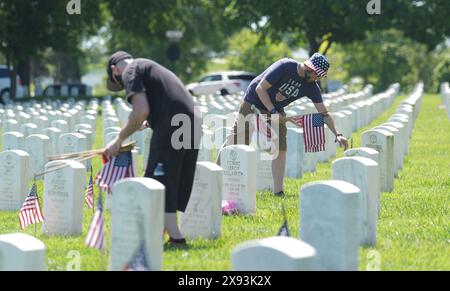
(139, 260)
(265, 134)
(89, 197)
(263, 127)
(314, 132)
(115, 169)
(30, 213)
(96, 235)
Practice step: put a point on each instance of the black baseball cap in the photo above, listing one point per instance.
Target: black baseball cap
(114, 59)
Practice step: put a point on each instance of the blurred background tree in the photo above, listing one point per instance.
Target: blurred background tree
(407, 42)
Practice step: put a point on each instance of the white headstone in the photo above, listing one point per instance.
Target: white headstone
(147, 134)
(329, 221)
(203, 215)
(264, 177)
(29, 129)
(64, 198)
(53, 134)
(61, 125)
(21, 252)
(278, 253)
(137, 217)
(15, 175)
(239, 177)
(398, 147)
(370, 154)
(363, 173)
(383, 142)
(205, 153)
(36, 146)
(111, 122)
(72, 143)
(403, 135)
(13, 140)
(10, 125)
(295, 152)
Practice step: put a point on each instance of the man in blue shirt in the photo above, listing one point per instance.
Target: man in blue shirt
(281, 84)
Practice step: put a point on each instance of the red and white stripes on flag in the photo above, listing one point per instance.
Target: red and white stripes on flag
(115, 169)
(263, 127)
(96, 235)
(314, 132)
(89, 196)
(265, 134)
(30, 213)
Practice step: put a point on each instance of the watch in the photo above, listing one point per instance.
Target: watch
(274, 111)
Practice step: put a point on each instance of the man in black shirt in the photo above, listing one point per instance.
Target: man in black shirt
(159, 98)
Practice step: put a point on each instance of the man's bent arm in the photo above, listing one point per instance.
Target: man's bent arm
(138, 115)
(329, 121)
(263, 95)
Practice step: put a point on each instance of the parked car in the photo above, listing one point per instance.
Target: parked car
(228, 82)
(65, 90)
(5, 85)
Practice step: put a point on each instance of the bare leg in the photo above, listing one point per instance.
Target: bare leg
(278, 167)
(171, 225)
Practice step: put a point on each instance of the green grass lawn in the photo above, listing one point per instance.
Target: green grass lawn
(413, 230)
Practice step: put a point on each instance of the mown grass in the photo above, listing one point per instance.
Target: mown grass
(413, 229)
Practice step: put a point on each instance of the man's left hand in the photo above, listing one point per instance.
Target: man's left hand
(343, 142)
(113, 148)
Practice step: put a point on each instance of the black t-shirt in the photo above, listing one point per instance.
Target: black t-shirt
(166, 94)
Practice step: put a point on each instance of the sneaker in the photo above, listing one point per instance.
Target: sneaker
(279, 194)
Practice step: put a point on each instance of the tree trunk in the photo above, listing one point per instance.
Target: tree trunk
(24, 70)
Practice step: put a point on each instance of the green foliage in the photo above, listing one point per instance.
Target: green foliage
(386, 57)
(251, 53)
(204, 29)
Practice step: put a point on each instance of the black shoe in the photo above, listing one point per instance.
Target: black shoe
(279, 194)
(176, 242)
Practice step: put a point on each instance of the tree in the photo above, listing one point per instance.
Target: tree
(30, 27)
(200, 20)
(248, 52)
(386, 57)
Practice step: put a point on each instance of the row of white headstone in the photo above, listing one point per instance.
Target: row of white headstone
(203, 216)
(55, 131)
(445, 97)
(336, 216)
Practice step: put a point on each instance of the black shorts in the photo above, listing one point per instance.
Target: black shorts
(179, 168)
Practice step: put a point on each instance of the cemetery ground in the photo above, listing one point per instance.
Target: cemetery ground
(413, 229)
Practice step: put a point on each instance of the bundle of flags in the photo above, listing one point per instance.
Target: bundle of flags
(30, 212)
(96, 235)
(313, 131)
(138, 261)
(114, 169)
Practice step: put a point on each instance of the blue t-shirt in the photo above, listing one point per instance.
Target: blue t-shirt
(287, 85)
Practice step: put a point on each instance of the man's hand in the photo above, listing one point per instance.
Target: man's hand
(343, 142)
(113, 148)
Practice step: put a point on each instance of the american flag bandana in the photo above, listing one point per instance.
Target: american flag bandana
(319, 63)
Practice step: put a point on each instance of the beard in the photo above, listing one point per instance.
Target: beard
(308, 77)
